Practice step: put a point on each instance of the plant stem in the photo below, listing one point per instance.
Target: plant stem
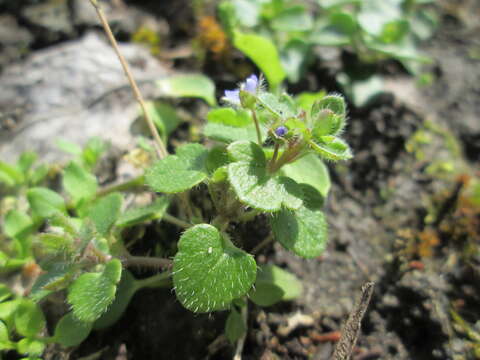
(257, 128)
(145, 261)
(137, 182)
(241, 341)
(274, 157)
(158, 280)
(262, 244)
(176, 221)
(159, 145)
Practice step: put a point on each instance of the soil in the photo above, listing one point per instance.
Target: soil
(384, 206)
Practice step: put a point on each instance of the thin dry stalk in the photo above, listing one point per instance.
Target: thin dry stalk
(351, 329)
(159, 145)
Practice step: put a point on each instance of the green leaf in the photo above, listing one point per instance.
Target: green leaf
(235, 327)
(274, 284)
(26, 160)
(139, 215)
(125, 291)
(93, 150)
(3, 334)
(334, 103)
(331, 148)
(164, 116)
(58, 277)
(29, 319)
(281, 109)
(188, 85)
(5, 292)
(265, 294)
(263, 53)
(9, 175)
(78, 182)
(68, 147)
(309, 170)
(305, 100)
(375, 14)
(70, 331)
(345, 22)
(31, 347)
(45, 202)
(295, 18)
(228, 125)
(303, 231)
(252, 183)
(179, 172)
(16, 222)
(92, 293)
(7, 311)
(247, 12)
(105, 212)
(209, 271)
(217, 157)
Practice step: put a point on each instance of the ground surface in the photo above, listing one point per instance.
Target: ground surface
(385, 207)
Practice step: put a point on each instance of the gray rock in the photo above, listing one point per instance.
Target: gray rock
(75, 90)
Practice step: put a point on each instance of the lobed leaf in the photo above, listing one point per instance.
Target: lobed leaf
(92, 293)
(180, 172)
(252, 183)
(209, 272)
(303, 231)
(139, 215)
(70, 331)
(331, 148)
(105, 212)
(309, 170)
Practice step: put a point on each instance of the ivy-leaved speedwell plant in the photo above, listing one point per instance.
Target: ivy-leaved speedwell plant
(267, 163)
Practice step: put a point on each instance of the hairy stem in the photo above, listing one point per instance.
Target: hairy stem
(158, 280)
(176, 221)
(271, 165)
(257, 128)
(134, 183)
(159, 145)
(262, 244)
(145, 261)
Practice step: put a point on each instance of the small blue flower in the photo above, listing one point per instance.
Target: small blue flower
(251, 84)
(281, 131)
(232, 96)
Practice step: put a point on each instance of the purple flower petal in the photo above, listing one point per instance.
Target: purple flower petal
(251, 84)
(232, 96)
(281, 131)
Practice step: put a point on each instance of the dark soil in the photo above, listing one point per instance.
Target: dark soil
(382, 194)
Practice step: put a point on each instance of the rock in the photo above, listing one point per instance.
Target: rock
(14, 40)
(75, 91)
(53, 15)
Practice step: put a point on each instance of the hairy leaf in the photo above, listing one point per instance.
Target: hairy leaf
(180, 172)
(209, 271)
(70, 331)
(92, 293)
(254, 185)
(139, 215)
(105, 212)
(16, 222)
